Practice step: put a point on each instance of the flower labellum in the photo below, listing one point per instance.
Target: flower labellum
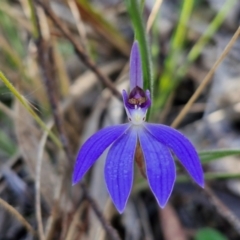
(156, 141)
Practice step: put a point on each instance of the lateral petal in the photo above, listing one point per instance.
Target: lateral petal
(160, 167)
(182, 147)
(94, 147)
(119, 168)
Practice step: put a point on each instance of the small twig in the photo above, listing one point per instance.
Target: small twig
(24, 102)
(108, 212)
(153, 14)
(59, 126)
(170, 224)
(7, 110)
(79, 23)
(75, 221)
(205, 81)
(45, 62)
(109, 229)
(38, 184)
(79, 50)
(144, 220)
(222, 209)
(17, 215)
(16, 15)
(54, 211)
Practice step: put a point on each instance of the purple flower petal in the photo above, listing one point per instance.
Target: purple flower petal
(182, 148)
(119, 168)
(136, 78)
(160, 167)
(94, 147)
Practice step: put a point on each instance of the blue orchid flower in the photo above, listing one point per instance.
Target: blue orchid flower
(157, 141)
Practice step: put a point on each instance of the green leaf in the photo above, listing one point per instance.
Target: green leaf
(211, 176)
(209, 234)
(208, 156)
(25, 104)
(9, 29)
(211, 30)
(6, 144)
(142, 184)
(173, 74)
(167, 82)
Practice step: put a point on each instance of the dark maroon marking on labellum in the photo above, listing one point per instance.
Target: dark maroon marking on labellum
(137, 96)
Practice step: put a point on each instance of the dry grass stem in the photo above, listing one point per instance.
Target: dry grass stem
(55, 210)
(108, 213)
(87, 80)
(170, 224)
(205, 81)
(75, 222)
(7, 110)
(80, 51)
(28, 137)
(62, 74)
(222, 209)
(143, 218)
(17, 215)
(153, 14)
(38, 184)
(16, 16)
(80, 26)
(43, 22)
(6, 47)
(65, 64)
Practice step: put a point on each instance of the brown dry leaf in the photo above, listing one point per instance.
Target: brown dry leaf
(98, 187)
(64, 81)
(28, 136)
(35, 81)
(102, 27)
(73, 125)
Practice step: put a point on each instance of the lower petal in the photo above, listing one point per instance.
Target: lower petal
(94, 147)
(119, 168)
(181, 146)
(160, 167)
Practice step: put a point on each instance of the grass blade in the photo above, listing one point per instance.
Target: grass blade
(23, 101)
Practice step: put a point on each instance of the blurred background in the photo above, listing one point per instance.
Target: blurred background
(66, 61)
